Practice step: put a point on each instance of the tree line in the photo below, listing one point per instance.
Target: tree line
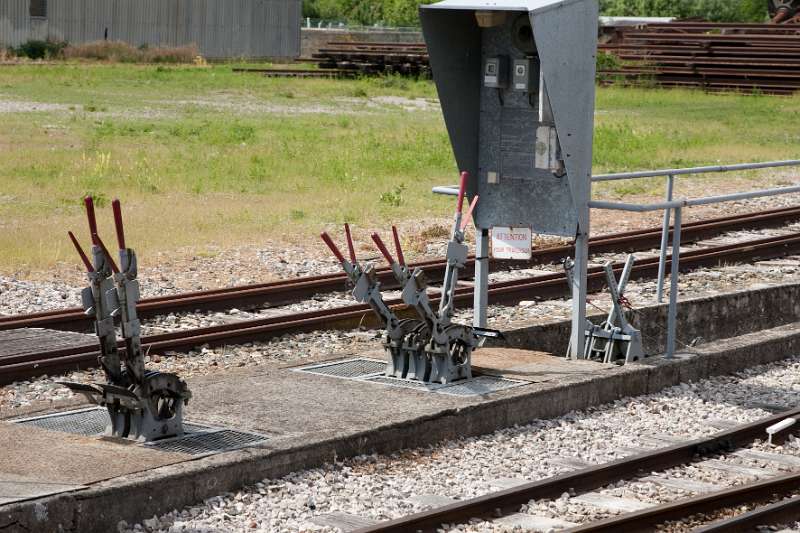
(404, 12)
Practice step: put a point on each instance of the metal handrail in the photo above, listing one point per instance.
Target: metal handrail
(452, 190)
(694, 170)
(706, 200)
(677, 206)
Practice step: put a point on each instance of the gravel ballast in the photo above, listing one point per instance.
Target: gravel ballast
(383, 487)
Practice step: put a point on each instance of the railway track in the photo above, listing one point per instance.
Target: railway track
(582, 481)
(291, 291)
(31, 363)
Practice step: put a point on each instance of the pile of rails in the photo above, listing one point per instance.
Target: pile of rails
(712, 56)
(409, 59)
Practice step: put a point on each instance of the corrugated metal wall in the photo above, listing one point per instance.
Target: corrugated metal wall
(220, 28)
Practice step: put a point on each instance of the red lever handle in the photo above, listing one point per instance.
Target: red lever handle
(382, 247)
(86, 262)
(332, 246)
(105, 252)
(397, 248)
(467, 218)
(118, 224)
(350, 243)
(462, 190)
(89, 203)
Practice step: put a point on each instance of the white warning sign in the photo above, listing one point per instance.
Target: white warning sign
(511, 243)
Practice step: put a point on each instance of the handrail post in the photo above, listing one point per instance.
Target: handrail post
(662, 262)
(673, 285)
(481, 297)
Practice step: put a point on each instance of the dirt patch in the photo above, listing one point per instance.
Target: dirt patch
(252, 106)
(17, 106)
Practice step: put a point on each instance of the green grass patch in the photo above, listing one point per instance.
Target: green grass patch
(204, 155)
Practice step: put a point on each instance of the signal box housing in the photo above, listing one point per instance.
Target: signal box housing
(516, 84)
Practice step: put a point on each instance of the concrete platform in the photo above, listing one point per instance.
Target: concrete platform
(65, 482)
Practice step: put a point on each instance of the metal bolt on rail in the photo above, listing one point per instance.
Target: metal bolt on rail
(142, 405)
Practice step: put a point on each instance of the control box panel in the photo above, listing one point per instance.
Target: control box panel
(526, 75)
(516, 83)
(495, 72)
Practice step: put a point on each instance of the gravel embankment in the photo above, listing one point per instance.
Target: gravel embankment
(381, 487)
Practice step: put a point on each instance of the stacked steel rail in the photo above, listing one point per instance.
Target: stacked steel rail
(35, 363)
(509, 501)
(375, 58)
(300, 72)
(712, 56)
(291, 291)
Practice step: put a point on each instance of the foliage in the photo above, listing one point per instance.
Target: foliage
(713, 10)
(36, 49)
(607, 61)
(120, 52)
(366, 12)
(393, 198)
(405, 12)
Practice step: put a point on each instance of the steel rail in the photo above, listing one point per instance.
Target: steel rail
(27, 365)
(510, 500)
(784, 510)
(290, 291)
(647, 519)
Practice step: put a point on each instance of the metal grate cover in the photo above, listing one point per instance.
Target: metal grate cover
(475, 387)
(405, 383)
(480, 385)
(349, 368)
(372, 370)
(198, 439)
(86, 422)
(211, 442)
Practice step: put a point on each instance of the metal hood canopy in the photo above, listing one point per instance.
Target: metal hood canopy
(565, 37)
(532, 6)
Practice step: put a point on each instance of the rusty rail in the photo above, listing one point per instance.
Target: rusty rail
(26, 366)
(291, 291)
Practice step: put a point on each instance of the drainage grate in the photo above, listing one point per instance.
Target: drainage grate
(474, 387)
(480, 385)
(86, 422)
(349, 369)
(224, 440)
(371, 371)
(405, 383)
(198, 439)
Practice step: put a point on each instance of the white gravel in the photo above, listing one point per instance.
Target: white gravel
(382, 487)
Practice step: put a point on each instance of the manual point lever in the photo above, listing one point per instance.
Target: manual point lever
(382, 248)
(117, 207)
(397, 248)
(81, 253)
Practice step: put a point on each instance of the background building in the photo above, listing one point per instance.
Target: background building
(219, 28)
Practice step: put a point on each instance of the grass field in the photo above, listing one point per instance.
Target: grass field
(205, 155)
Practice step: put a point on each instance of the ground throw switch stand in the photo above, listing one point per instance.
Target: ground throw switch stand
(614, 340)
(142, 405)
(432, 348)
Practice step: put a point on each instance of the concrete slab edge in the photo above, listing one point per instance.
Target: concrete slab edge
(139, 496)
